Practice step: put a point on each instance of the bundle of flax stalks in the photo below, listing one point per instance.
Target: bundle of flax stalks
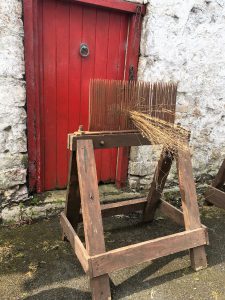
(158, 131)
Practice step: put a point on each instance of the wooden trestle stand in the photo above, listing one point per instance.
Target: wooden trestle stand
(213, 194)
(83, 204)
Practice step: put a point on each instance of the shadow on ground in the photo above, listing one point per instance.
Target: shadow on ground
(36, 264)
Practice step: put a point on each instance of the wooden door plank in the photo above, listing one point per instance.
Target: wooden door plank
(88, 63)
(62, 106)
(109, 156)
(100, 71)
(157, 185)
(91, 212)
(40, 106)
(190, 205)
(49, 93)
(75, 38)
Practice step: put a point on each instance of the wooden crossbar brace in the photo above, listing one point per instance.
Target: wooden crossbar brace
(83, 204)
(213, 194)
(108, 139)
(128, 256)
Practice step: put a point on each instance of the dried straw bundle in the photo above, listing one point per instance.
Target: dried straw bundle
(157, 131)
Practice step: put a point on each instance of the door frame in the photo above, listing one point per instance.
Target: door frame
(35, 178)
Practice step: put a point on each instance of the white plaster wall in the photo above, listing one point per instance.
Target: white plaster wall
(184, 41)
(13, 143)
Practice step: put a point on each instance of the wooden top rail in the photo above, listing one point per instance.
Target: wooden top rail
(108, 139)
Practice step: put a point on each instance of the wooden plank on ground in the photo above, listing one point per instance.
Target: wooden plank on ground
(91, 212)
(138, 253)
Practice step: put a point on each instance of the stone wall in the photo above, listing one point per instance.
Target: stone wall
(13, 143)
(184, 41)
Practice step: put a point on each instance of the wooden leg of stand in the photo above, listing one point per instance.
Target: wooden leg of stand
(72, 207)
(213, 195)
(219, 180)
(190, 206)
(91, 211)
(100, 288)
(157, 185)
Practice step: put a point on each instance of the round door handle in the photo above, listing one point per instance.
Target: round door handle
(84, 50)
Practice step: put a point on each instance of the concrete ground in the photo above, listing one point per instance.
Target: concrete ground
(36, 264)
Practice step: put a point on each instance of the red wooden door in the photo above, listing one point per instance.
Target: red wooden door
(65, 76)
(61, 78)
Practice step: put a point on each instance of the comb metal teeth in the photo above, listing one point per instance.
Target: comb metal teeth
(111, 100)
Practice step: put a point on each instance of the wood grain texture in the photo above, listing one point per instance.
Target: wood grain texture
(122, 207)
(107, 140)
(177, 216)
(62, 16)
(90, 202)
(215, 196)
(119, 5)
(150, 250)
(188, 191)
(219, 180)
(49, 112)
(91, 212)
(75, 242)
(157, 185)
(190, 205)
(171, 212)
